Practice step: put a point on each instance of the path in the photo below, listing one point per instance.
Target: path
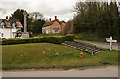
(107, 71)
(104, 45)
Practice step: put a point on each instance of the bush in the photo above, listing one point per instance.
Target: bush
(48, 39)
(69, 37)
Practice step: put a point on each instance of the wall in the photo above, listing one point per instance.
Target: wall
(56, 25)
(62, 27)
(7, 32)
(46, 30)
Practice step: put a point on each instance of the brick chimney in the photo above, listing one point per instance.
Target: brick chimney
(50, 19)
(55, 17)
(7, 18)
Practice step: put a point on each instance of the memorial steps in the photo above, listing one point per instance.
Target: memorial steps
(83, 47)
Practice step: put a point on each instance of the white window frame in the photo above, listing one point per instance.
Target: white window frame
(14, 25)
(3, 24)
(58, 30)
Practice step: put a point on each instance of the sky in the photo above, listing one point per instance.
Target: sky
(63, 9)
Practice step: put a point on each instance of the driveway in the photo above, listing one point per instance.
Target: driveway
(106, 71)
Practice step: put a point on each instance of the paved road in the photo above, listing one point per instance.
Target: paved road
(104, 45)
(107, 71)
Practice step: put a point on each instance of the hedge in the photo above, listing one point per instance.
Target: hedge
(48, 39)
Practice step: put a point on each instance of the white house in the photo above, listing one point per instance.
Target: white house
(9, 28)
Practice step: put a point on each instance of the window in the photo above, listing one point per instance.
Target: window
(56, 30)
(3, 24)
(63, 25)
(2, 34)
(14, 24)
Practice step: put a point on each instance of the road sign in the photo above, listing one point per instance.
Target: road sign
(111, 41)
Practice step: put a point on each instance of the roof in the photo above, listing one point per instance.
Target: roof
(50, 23)
(63, 21)
(8, 23)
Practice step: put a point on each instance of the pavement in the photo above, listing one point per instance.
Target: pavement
(115, 46)
(106, 71)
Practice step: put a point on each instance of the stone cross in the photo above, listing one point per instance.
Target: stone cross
(25, 34)
(25, 21)
(110, 40)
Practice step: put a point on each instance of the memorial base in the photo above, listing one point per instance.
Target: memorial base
(25, 35)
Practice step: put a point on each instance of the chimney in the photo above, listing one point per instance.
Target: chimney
(7, 18)
(55, 17)
(50, 19)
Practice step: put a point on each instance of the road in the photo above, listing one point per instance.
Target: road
(104, 45)
(106, 71)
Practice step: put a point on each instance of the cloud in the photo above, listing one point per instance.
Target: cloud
(50, 8)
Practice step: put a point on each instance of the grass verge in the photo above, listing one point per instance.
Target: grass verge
(47, 56)
(89, 37)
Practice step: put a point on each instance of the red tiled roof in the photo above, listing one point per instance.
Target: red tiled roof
(47, 24)
(62, 22)
(50, 23)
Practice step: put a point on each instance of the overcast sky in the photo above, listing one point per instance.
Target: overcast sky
(50, 8)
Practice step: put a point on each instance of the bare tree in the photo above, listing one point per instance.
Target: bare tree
(36, 15)
(118, 2)
(69, 28)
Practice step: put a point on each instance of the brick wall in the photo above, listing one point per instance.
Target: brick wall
(56, 25)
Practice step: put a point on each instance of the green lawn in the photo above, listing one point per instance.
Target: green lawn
(47, 55)
(89, 37)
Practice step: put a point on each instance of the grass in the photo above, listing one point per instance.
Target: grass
(89, 37)
(80, 36)
(47, 55)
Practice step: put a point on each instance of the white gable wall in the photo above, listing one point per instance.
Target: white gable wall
(7, 32)
(47, 30)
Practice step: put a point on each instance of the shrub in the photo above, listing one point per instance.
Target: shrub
(79, 35)
(49, 39)
(69, 37)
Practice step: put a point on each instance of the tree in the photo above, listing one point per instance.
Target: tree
(37, 22)
(98, 18)
(68, 29)
(36, 15)
(18, 14)
(37, 26)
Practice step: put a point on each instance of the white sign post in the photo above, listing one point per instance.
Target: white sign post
(110, 40)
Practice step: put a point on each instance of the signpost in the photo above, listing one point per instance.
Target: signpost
(111, 41)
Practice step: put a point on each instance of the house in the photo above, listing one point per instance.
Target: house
(53, 26)
(10, 28)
